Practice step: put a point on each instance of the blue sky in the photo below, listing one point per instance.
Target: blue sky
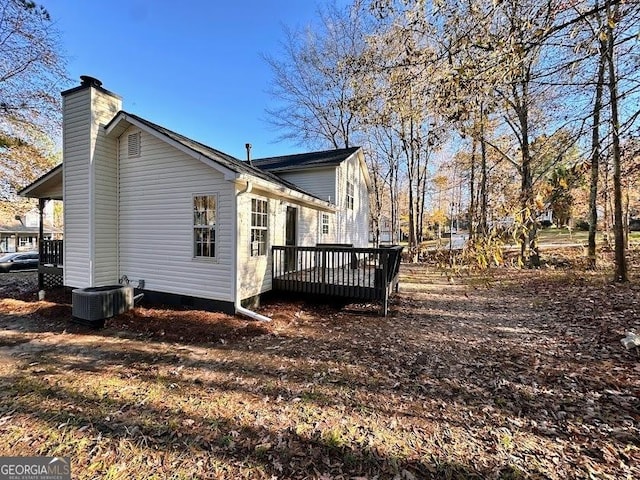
(192, 66)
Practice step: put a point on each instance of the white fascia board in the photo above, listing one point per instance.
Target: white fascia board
(364, 168)
(54, 175)
(284, 192)
(123, 117)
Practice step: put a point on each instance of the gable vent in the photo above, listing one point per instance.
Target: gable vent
(133, 145)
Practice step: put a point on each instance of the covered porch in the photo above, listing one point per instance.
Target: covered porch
(51, 261)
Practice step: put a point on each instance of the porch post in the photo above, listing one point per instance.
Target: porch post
(41, 204)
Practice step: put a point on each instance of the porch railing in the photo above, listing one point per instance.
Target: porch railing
(51, 253)
(350, 272)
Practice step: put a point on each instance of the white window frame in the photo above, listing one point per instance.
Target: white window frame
(210, 226)
(24, 242)
(351, 193)
(259, 227)
(324, 224)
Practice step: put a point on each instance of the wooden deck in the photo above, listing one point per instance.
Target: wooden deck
(369, 274)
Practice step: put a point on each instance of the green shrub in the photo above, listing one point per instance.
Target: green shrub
(582, 225)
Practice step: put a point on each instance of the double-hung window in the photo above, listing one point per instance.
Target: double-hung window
(204, 225)
(350, 195)
(325, 224)
(259, 227)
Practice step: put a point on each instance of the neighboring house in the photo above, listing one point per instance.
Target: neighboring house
(546, 216)
(384, 231)
(21, 234)
(189, 223)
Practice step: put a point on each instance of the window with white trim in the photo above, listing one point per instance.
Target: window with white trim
(259, 227)
(350, 195)
(325, 224)
(26, 242)
(205, 212)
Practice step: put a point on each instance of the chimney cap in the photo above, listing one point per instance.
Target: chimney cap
(88, 81)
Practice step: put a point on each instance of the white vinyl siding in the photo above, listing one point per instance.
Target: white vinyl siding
(105, 203)
(352, 218)
(320, 182)
(156, 222)
(76, 150)
(353, 215)
(254, 273)
(89, 183)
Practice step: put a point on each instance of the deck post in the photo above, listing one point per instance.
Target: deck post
(41, 205)
(385, 275)
(273, 264)
(324, 269)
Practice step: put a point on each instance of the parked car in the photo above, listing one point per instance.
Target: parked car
(19, 261)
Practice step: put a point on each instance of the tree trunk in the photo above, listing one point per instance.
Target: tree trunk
(422, 193)
(606, 215)
(595, 156)
(626, 216)
(472, 188)
(621, 274)
(377, 204)
(395, 219)
(526, 186)
(483, 225)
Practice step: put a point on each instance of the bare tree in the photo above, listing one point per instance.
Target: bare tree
(314, 80)
(32, 71)
(621, 274)
(600, 35)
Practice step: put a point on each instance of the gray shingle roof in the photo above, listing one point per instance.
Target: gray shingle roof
(326, 158)
(19, 228)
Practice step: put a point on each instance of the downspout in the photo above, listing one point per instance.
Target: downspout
(250, 313)
(239, 308)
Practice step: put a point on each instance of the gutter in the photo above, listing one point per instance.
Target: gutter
(299, 197)
(236, 304)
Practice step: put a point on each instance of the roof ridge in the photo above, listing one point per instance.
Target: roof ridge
(317, 152)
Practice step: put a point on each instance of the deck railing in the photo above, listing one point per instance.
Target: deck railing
(51, 253)
(351, 272)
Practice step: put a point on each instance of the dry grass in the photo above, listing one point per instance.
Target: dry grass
(510, 375)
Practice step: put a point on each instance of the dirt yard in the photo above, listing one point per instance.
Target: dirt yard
(513, 375)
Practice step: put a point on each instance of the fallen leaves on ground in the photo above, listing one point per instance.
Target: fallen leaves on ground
(512, 374)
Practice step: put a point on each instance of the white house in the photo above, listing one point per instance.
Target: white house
(188, 223)
(22, 233)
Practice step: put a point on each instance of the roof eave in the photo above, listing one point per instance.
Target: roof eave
(364, 168)
(288, 193)
(47, 177)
